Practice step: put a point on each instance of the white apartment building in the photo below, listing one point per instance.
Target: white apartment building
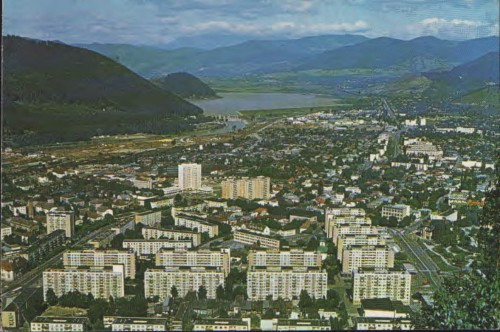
(248, 188)
(139, 324)
(335, 215)
(399, 211)
(143, 183)
(63, 324)
(148, 218)
(157, 233)
(285, 282)
(101, 282)
(284, 258)
(424, 149)
(151, 247)
(195, 258)
(159, 282)
(343, 229)
(376, 284)
(191, 221)
(190, 176)
(100, 258)
(251, 238)
(61, 220)
(222, 324)
(352, 239)
(366, 256)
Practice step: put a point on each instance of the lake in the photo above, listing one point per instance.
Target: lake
(233, 102)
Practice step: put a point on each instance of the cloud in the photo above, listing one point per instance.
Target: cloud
(450, 28)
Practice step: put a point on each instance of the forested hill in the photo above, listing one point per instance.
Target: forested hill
(185, 85)
(62, 92)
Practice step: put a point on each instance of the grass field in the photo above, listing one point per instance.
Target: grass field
(64, 311)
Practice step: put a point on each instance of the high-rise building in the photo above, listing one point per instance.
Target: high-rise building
(101, 282)
(195, 258)
(61, 220)
(366, 256)
(342, 229)
(190, 176)
(159, 282)
(284, 258)
(99, 258)
(361, 239)
(343, 215)
(285, 282)
(373, 284)
(148, 218)
(249, 188)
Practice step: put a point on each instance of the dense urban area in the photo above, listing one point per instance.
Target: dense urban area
(342, 217)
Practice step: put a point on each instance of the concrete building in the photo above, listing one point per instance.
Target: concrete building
(190, 176)
(373, 284)
(383, 314)
(399, 211)
(284, 258)
(159, 282)
(51, 323)
(222, 324)
(353, 239)
(251, 238)
(201, 224)
(149, 218)
(100, 258)
(143, 183)
(102, 282)
(151, 247)
(61, 220)
(276, 324)
(139, 324)
(195, 258)
(366, 256)
(40, 248)
(285, 282)
(172, 234)
(248, 188)
(349, 229)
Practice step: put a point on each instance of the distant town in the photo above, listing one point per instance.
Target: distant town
(344, 218)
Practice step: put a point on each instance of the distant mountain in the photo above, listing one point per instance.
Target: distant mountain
(68, 92)
(416, 55)
(185, 85)
(244, 58)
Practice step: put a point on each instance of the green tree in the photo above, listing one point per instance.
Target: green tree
(305, 301)
(202, 293)
(51, 297)
(219, 293)
(174, 292)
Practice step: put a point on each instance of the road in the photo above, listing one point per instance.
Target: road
(423, 262)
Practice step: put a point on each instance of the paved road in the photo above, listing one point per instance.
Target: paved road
(423, 262)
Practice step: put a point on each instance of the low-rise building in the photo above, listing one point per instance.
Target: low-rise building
(151, 247)
(40, 248)
(201, 224)
(399, 211)
(51, 323)
(222, 324)
(173, 234)
(139, 324)
(277, 324)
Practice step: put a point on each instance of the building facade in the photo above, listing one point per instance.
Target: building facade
(151, 247)
(248, 188)
(100, 258)
(61, 220)
(373, 284)
(189, 176)
(399, 211)
(157, 233)
(366, 256)
(149, 218)
(195, 258)
(251, 238)
(284, 258)
(51, 323)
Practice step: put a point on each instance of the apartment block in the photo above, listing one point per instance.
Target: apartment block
(367, 256)
(196, 258)
(148, 218)
(189, 176)
(138, 324)
(351, 220)
(201, 224)
(172, 234)
(102, 282)
(248, 188)
(61, 220)
(40, 248)
(51, 323)
(151, 247)
(344, 229)
(285, 282)
(222, 324)
(277, 324)
(251, 238)
(99, 258)
(373, 284)
(353, 239)
(159, 282)
(336, 215)
(284, 258)
(143, 183)
(399, 211)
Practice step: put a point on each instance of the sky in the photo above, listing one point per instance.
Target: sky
(211, 23)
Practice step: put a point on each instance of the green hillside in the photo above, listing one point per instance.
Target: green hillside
(56, 92)
(185, 85)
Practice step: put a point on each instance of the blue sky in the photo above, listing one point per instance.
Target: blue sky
(194, 22)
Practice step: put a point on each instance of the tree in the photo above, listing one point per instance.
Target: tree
(174, 292)
(117, 241)
(51, 297)
(202, 293)
(219, 292)
(305, 300)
